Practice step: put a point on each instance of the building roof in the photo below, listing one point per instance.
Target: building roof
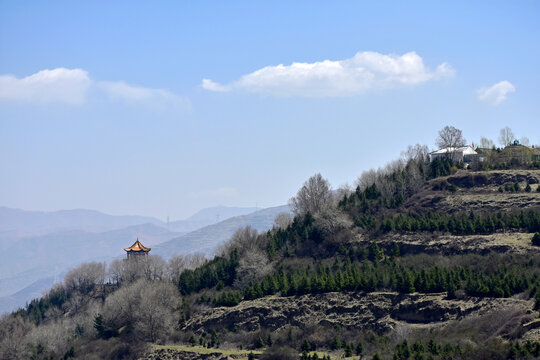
(466, 150)
(137, 247)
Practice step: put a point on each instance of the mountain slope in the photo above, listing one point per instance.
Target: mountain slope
(206, 239)
(40, 246)
(33, 291)
(33, 259)
(209, 216)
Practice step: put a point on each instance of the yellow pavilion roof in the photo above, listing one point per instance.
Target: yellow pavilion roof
(137, 247)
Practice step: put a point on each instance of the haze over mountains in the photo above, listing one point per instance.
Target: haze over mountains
(40, 247)
(205, 239)
(16, 221)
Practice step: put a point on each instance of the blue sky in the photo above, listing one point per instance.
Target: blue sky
(125, 122)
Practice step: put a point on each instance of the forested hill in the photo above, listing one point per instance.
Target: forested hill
(423, 259)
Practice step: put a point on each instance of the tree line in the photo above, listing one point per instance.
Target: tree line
(456, 224)
(377, 276)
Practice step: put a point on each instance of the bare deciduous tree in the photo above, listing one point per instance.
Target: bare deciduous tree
(282, 220)
(133, 269)
(486, 143)
(155, 317)
(449, 136)
(400, 178)
(176, 265)
(85, 277)
(145, 307)
(151, 267)
(120, 307)
(344, 190)
(116, 271)
(331, 221)
(524, 141)
(179, 263)
(55, 336)
(243, 240)
(156, 268)
(506, 136)
(253, 266)
(314, 195)
(367, 178)
(13, 344)
(417, 153)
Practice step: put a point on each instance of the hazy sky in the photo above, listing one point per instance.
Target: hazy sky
(163, 108)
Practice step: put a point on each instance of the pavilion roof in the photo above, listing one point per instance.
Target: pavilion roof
(137, 247)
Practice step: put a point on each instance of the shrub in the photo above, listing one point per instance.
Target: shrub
(349, 350)
(279, 353)
(359, 349)
(259, 343)
(528, 187)
(336, 344)
(536, 239)
(306, 346)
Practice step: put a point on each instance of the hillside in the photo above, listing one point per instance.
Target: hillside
(32, 260)
(441, 267)
(209, 216)
(42, 246)
(207, 238)
(374, 314)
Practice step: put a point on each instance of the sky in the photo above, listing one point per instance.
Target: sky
(164, 108)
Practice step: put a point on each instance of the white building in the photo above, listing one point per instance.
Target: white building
(465, 154)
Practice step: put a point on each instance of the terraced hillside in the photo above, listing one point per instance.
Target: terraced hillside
(424, 261)
(317, 294)
(479, 191)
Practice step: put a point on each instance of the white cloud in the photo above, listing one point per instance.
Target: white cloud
(120, 91)
(75, 87)
(215, 193)
(364, 72)
(497, 93)
(47, 86)
(213, 86)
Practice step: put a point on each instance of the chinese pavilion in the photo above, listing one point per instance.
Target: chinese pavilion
(137, 249)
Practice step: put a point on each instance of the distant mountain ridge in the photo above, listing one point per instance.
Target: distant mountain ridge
(40, 222)
(206, 239)
(46, 255)
(209, 216)
(17, 222)
(39, 246)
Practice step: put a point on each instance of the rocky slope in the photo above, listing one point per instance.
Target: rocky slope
(447, 244)
(381, 312)
(478, 191)
(193, 353)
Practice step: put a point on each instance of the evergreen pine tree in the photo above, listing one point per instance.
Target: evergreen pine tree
(359, 348)
(306, 346)
(336, 344)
